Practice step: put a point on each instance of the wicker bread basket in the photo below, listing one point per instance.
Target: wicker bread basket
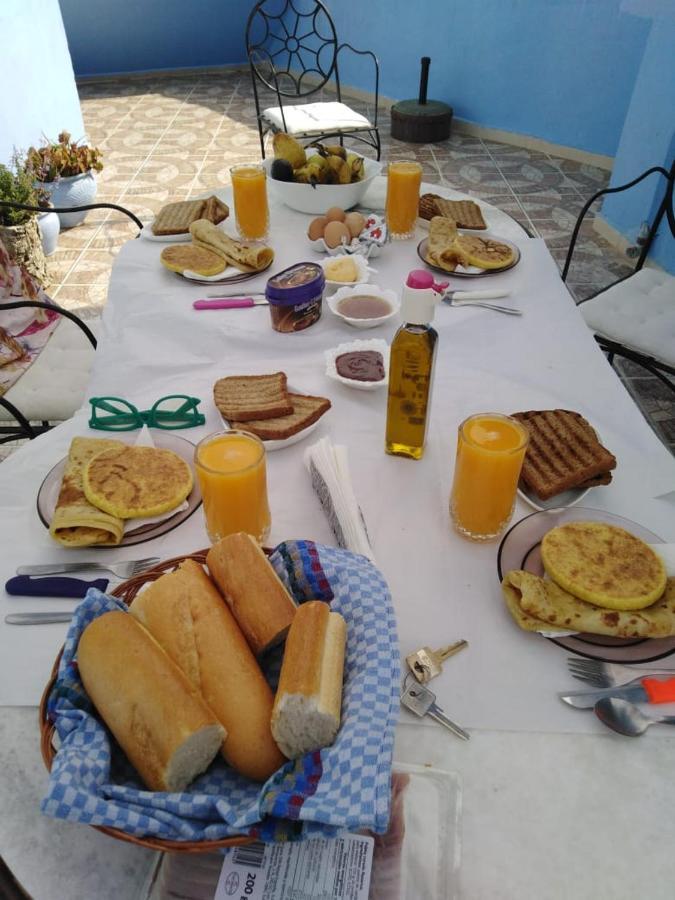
(126, 592)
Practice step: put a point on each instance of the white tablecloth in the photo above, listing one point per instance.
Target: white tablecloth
(443, 587)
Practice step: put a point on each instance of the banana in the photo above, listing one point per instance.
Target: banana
(341, 171)
(335, 150)
(286, 147)
(356, 166)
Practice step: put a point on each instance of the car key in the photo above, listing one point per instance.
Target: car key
(426, 663)
(421, 701)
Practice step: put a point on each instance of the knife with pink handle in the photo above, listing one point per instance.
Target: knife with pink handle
(230, 303)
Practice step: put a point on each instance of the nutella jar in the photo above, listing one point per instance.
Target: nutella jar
(295, 295)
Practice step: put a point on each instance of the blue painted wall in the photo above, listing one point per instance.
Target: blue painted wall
(561, 70)
(648, 139)
(39, 95)
(108, 36)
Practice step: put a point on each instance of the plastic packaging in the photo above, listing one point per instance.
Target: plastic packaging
(295, 296)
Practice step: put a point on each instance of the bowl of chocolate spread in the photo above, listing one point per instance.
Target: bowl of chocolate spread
(363, 365)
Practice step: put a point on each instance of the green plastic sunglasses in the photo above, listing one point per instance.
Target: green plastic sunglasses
(173, 411)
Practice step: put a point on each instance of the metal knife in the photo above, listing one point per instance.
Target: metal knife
(641, 690)
(24, 586)
(37, 618)
(230, 303)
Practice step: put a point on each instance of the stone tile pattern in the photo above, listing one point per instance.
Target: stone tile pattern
(175, 136)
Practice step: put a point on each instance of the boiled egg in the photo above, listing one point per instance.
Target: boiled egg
(335, 214)
(316, 228)
(355, 222)
(334, 234)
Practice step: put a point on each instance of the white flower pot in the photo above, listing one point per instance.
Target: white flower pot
(76, 190)
(50, 226)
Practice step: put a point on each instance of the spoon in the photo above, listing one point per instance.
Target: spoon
(627, 718)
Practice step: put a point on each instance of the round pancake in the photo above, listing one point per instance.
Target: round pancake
(603, 565)
(133, 482)
(190, 257)
(484, 253)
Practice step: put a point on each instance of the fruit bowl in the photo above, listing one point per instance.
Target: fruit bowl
(316, 200)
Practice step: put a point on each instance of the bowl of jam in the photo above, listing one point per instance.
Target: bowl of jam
(364, 305)
(363, 365)
(294, 296)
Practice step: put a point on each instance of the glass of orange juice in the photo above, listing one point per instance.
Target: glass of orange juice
(490, 452)
(403, 194)
(233, 479)
(249, 187)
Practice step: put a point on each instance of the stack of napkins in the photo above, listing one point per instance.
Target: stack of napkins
(329, 469)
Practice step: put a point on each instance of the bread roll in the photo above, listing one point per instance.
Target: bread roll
(161, 723)
(306, 713)
(188, 617)
(259, 602)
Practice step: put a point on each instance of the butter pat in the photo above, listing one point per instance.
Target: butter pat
(341, 268)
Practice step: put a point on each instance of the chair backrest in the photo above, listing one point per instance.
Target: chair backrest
(292, 46)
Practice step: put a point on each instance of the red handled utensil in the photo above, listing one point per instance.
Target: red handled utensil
(230, 303)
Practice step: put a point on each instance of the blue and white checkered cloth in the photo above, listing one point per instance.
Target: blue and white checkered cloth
(345, 786)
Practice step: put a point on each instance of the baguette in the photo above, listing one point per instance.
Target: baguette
(259, 602)
(306, 713)
(164, 727)
(188, 617)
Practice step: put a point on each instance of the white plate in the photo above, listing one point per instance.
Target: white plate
(147, 235)
(48, 494)
(559, 501)
(376, 344)
(270, 446)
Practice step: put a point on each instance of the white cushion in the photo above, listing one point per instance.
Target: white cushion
(638, 313)
(53, 388)
(316, 118)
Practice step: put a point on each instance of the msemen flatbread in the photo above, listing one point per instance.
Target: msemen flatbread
(191, 258)
(247, 257)
(441, 250)
(604, 565)
(538, 604)
(133, 482)
(76, 523)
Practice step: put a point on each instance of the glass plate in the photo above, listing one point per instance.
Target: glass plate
(475, 273)
(49, 490)
(520, 549)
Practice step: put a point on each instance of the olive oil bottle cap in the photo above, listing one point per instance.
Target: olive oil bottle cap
(419, 299)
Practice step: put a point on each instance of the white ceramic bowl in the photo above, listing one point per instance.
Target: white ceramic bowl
(363, 275)
(316, 200)
(371, 290)
(376, 344)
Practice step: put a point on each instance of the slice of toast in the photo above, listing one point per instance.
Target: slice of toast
(244, 398)
(563, 452)
(427, 208)
(464, 213)
(176, 218)
(306, 411)
(215, 210)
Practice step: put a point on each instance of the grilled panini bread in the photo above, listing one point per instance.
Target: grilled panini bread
(603, 565)
(538, 604)
(464, 213)
(160, 721)
(191, 258)
(133, 482)
(306, 411)
(308, 702)
(563, 452)
(76, 521)
(243, 397)
(259, 601)
(176, 218)
(189, 618)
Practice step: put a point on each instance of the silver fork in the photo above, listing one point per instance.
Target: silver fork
(121, 569)
(602, 674)
(455, 301)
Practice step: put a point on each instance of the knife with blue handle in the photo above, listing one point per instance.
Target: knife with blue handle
(75, 588)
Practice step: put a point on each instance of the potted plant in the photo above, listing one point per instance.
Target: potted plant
(19, 230)
(65, 170)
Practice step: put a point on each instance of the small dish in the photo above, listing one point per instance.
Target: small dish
(369, 290)
(376, 344)
(471, 271)
(370, 241)
(363, 273)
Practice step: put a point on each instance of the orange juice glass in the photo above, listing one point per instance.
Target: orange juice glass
(233, 479)
(490, 453)
(403, 195)
(249, 187)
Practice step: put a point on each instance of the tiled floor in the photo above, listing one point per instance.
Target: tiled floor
(173, 137)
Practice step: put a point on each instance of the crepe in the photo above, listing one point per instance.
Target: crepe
(246, 257)
(604, 565)
(191, 258)
(135, 482)
(76, 522)
(441, 249)
(537, 604)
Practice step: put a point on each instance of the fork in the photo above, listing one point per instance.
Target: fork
(602, 674)
(455, 301)
(122, 569)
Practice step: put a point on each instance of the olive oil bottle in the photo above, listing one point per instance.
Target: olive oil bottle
(411, 368)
